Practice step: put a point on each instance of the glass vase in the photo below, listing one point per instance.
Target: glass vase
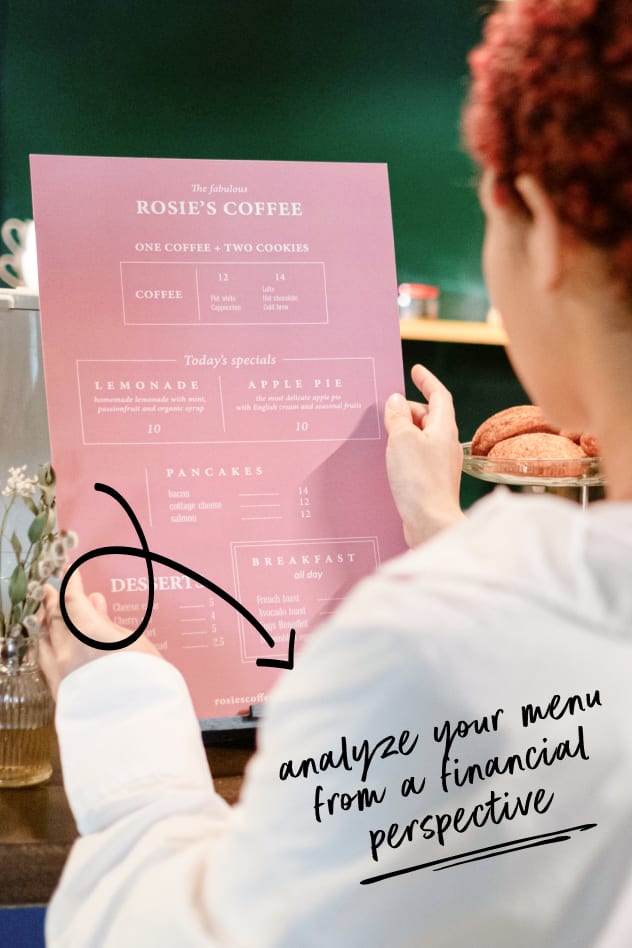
(26, 716)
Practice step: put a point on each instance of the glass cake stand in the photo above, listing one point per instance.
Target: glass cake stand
(536, 474)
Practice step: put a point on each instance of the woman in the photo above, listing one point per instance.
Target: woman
(450, 762)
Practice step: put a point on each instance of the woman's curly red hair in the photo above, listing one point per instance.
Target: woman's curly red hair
(551, 96)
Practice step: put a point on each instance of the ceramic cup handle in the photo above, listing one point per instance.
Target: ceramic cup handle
(13, 233)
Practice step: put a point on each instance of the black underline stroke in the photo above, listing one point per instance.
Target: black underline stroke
(513, 849)
(486, 852)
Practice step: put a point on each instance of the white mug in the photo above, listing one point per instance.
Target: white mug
(17, 267)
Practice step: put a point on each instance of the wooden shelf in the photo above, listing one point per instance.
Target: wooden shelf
(452, 330)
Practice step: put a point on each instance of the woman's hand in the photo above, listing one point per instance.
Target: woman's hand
(61, 652)
(423, 458)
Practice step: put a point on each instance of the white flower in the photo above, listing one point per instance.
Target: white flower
(70, 539)
(31, 624)
(18, 484)
(58, 552)
(35, 591)
(45, 568)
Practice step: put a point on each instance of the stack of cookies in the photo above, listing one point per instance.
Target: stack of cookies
(522, 434)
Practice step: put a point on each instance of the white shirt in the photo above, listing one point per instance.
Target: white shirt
(527, 599)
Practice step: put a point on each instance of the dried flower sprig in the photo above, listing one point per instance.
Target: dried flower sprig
(37, 556)
(18, 485)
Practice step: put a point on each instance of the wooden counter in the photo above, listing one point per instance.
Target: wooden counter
(37, 828)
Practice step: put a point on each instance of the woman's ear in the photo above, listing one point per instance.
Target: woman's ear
(545, 245)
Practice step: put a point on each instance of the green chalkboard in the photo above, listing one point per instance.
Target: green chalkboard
(378, 80)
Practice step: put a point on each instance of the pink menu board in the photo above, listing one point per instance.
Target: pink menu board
(219, 339)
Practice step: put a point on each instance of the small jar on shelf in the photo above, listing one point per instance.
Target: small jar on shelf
(418, 301)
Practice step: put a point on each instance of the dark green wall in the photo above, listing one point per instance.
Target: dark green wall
(378, 80)
(481, 381)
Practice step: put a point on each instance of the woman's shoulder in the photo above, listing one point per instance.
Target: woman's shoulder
(516, 551)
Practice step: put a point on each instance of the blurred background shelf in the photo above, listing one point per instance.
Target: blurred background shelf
(452, 330)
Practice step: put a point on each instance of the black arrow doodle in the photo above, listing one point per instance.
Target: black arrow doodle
(150, 557)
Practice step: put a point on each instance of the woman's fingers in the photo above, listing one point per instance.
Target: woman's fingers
(440, 408)
(99, 602)
(397, 413)
(423, 458)
(420, 412)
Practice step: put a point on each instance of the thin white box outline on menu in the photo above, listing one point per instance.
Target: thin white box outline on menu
(83, 433)
(227, 263)
(234, 544)
(370, 359)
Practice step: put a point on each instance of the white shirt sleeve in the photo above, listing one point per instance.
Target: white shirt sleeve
(139, 786)
(164, 862)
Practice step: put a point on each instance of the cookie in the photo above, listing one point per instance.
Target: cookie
(545, 453)
(589, 446)
(518, 420)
